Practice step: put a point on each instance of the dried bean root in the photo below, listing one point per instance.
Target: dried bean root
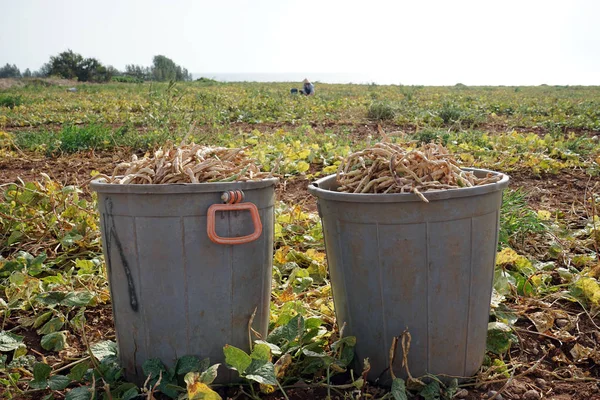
(188, 164)
(389, 168)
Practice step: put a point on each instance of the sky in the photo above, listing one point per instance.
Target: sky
(484, 42)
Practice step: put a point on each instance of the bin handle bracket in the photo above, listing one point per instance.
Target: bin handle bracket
(211, 228)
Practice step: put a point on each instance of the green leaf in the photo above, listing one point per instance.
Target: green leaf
(78, 371)
(275, 350)
(54, 325)
(69, 239)
(288, 332)
(261, 352)
(9, 341)
(36, 266)
(14, 237)
(210, 374)
(499, 338)
(51, 298)
(187, 364)
(41, 372)
(104, 349)
(41, 320)
(78, 299)
(80, 393)
(3, 358)
(313, 322)
(54, 341)
(431, 391)
(262, 372)
(399, 389)
(130, 394)
(236, 358)
(58, 382)
(153, 367)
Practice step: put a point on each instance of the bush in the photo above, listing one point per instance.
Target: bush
(450, 113)
(127, 79)
(381, 111)
(10, 101)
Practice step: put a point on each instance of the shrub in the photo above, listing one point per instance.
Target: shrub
(381, 111)
(10, 101)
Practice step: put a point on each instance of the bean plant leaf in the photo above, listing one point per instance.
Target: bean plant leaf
(54, 325)
(42, 319)
(130, 394)
(51, 298)
(54, 341)
(78, 371)
(9, 341)
(431, 391)
(187, 364)
(78, 299)
(198, 390)
(275, 350)
(261, 352)
(399, 389)
(80, 393)
(288, 332)
(41, 372)
(262, 372)
(58, 382)
(153, 367)
(236, 358)
(210, 374)
(104, 349)
(499, 338)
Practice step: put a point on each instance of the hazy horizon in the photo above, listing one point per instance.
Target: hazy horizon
(425, 43)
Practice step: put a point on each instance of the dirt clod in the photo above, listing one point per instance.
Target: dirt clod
(531, 395)
(461, 394)
(561, 323)
(492, 394)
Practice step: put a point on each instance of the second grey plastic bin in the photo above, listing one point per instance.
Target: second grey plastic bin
(396, 262)
(174, 291)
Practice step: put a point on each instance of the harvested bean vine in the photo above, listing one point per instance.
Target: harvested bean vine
(188, 164)
(390, 168)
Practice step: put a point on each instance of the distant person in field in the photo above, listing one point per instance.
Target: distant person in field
(309, 88)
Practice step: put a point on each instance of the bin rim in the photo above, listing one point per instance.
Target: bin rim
(317, 189)
(101, 186)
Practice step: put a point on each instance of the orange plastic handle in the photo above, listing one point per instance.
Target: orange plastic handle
(210, 223)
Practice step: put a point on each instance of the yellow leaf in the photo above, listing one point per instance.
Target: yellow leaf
(267, 389)
(315, 255)
(506, 256)
(302, 166)
(590, 289)
(544, 215)
(198, 390)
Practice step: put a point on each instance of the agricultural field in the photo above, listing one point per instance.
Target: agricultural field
(57, 335)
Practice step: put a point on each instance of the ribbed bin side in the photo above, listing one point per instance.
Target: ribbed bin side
(425, 267)
(175, 292)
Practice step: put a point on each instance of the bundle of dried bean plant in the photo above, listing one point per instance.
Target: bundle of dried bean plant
(188, 164)
(390, 168)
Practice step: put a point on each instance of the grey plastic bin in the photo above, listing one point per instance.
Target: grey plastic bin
(396, 262)
(174, 291)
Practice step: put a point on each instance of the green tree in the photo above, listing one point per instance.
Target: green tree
(164, 69)
(70, 65)
(27, 73)
(10, 71)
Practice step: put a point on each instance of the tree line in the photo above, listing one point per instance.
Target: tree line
(71, 65)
